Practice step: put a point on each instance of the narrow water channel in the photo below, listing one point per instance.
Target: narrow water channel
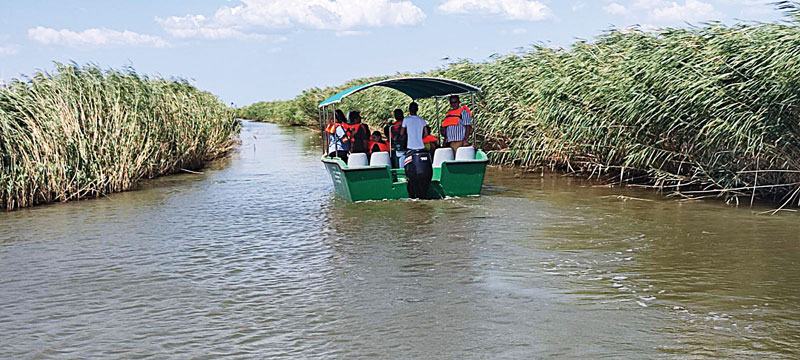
(255, 258)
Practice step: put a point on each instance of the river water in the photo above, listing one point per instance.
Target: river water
(257, 258)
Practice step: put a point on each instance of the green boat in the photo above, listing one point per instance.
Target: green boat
(454, 175)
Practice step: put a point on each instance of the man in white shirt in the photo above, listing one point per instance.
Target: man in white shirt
(417, 164)
(414, 127)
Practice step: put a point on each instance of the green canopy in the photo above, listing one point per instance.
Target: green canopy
(415, 87)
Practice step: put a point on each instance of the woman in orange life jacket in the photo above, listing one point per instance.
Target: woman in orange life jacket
(457, 125)
(376, 143)
(359, 133)
(338, 140)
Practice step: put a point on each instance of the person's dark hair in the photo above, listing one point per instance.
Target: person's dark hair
(398, 115)
(340, 118)
(377, 133)
(413, 108)
(454, 97)
(354, 117)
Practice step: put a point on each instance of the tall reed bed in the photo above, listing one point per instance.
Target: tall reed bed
(85, 132)
(703, 111)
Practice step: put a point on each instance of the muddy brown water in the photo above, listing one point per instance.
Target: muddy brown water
(256, 258)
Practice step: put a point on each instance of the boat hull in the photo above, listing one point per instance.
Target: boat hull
(452, 179)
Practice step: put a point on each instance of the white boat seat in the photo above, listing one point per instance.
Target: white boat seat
(357, 159)
(442, 155)
(465, 153)
(380, 159)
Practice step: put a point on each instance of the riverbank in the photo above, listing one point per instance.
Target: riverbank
(697, 112)
(83, 132)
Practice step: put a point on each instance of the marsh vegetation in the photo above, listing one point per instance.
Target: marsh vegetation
(83, 132)
(703, 111)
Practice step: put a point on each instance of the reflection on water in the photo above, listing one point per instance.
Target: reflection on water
(256, 258)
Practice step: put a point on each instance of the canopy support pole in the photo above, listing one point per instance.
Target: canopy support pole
(437, 116)
(474, 125)
(324, 142)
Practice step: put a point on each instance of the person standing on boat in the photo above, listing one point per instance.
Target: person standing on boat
(338, 145)
(398, 142)
(418, 164)
(457, 125)
(392, 131)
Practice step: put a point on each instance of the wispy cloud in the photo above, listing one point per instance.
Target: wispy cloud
(531, 10)
(663, 11)
(9, 49)
(689, 10)
(258, 18)
(346, 33)
(668, 12)
(615, 9)
(98, 37)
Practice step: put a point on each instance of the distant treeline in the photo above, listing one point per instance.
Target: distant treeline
(703, 111)
(85, 132)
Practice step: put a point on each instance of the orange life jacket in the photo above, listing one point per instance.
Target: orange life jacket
(348, 128)
(453, 116)
(396, 126)
(394, 130)
(331, 128)
(382, 145)
(429, 139)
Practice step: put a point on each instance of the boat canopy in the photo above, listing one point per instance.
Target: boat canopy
(414, 87)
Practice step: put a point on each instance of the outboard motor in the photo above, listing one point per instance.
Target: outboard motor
(419, 171)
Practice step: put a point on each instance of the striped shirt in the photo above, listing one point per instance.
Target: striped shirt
(457, 132)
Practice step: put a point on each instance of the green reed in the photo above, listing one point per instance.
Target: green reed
(84, 132)
(703, 111)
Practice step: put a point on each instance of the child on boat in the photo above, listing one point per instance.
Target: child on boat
(376, 143)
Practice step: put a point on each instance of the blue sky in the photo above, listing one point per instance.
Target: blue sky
(250, 50)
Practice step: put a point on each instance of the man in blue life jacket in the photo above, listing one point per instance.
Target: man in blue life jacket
(418, 163)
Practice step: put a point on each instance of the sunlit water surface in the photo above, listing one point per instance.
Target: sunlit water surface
(257, 258)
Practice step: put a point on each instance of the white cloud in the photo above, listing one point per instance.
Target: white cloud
(751, 9)
(511, 9)
(253, 17)
(346, 33)
(615, 9)
(11, 49)
(94, 37)
(690, 10)
(663, 11)
(198, 26)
